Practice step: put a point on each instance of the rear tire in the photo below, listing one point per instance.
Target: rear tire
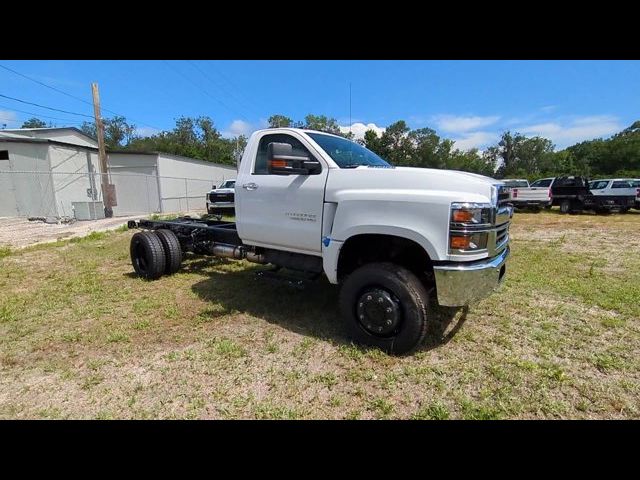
(172, 250)
(147, 255)
(565, 206)
(385, 305)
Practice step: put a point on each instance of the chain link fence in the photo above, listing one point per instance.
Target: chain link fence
(78, 195)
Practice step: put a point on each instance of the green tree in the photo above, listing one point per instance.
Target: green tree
(195, 137)
(34, 122)
(518, 155)
(118, 133)
(276, 121)
(322, 123)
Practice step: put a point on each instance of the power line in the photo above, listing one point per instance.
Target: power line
(43, 106)
(46, 85)
(233, 85)
(219, 86)
(203, 90)
(40, 115)
(72, 96)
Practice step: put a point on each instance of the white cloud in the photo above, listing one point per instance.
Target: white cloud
(9, 118)
(358, 129)
(146, 131)
(240, 127)
(475, 140)
(567, 132)
(462, 123)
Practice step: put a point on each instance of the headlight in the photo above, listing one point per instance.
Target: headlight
(468, 242)
(467, 222)
(471, 214)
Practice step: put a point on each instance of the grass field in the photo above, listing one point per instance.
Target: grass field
(82, 337)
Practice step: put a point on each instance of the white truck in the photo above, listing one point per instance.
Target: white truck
(534, 196)
(617, 186)
(320, 204)
(221, 200)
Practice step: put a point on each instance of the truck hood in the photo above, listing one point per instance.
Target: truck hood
(469, 185)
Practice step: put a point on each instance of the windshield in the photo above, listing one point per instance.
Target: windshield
(228, 184)
(542, 183)
(347, 154)
(516, 183)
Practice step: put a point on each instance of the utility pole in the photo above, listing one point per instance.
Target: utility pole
(107, 189)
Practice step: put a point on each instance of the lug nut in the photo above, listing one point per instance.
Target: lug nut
(388, 309)
(389, 322)
(369, 297)
(380, 300)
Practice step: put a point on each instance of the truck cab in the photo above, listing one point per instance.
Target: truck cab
(394, 238)
(617, 186)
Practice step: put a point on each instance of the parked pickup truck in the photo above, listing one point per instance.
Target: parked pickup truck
(617, 186)
(222, 199)
(636, 183)
(534, 196)
(319, 204)
(572, 194)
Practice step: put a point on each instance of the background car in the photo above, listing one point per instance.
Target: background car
(221, 200)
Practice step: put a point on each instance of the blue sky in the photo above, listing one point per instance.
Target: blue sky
(471, 102)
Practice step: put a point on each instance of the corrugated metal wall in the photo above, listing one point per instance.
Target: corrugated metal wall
(26, 194)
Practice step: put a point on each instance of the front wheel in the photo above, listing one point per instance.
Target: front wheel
(385, 305)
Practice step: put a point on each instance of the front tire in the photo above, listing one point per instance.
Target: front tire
(565, 206)
(147, 255)
(385, 305)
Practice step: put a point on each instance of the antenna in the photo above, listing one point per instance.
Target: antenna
(349, 108)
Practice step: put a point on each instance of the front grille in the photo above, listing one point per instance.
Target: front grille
(221, 197)
(501, 235)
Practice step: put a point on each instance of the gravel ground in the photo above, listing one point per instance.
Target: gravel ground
(20, 232)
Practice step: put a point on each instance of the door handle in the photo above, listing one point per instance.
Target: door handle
(250, 186)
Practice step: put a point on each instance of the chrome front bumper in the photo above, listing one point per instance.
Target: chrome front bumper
(462, 283)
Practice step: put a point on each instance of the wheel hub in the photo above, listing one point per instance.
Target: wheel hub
(378, 312)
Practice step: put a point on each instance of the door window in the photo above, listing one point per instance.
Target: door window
(260, 166)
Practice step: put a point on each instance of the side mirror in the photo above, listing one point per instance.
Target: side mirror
(282, 161)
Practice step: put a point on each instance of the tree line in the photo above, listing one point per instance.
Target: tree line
(514, 155)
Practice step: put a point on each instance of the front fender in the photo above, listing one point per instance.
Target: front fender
(331, 247)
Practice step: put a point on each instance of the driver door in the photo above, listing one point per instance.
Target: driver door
(283, 212)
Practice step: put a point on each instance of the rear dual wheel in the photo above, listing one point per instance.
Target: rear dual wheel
(155, 253)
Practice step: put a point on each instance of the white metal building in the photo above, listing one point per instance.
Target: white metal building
(49, 171)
